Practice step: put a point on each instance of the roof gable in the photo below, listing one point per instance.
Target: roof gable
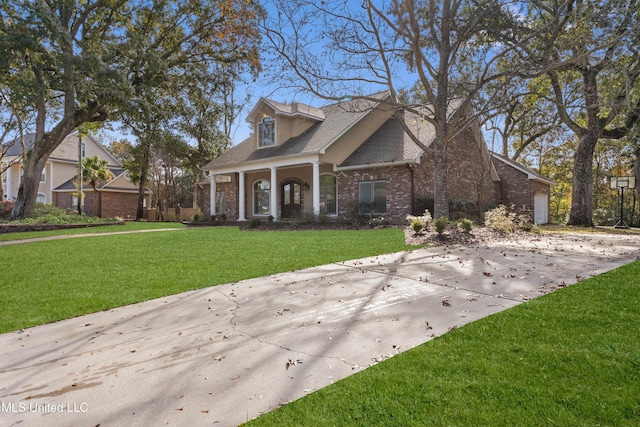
(339, 118)
(66, 151)
(531, 174)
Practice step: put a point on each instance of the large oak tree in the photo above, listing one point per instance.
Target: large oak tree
(74, 62)
(593, 65)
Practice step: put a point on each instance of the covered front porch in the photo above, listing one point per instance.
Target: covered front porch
(278, 191)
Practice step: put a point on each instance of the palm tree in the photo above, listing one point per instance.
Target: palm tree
(95, 171)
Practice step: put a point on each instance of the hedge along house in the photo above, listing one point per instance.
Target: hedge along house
(343, 157)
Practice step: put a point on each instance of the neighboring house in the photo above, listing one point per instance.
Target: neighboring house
(522, 186)
(116, 198)
(325, 161)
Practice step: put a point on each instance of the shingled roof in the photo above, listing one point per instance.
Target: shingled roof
(531, 174)
(338, 118)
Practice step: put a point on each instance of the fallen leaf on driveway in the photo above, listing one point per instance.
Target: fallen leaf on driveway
(292, 362)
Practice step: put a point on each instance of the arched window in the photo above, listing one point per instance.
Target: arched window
(41, 198)
(261, 197)
(328, 195)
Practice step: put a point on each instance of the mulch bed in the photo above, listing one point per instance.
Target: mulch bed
(457, 237)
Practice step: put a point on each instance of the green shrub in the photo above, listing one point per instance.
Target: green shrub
(254, 223)
(465, 225)
(46, 209)
(5, 209)
(440, 224)
(418, 223)
(423, 204)
(463, 209)
(357, 212)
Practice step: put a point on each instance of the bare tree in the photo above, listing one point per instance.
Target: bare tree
(451, 48)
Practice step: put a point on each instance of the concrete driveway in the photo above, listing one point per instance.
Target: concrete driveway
(226, 354)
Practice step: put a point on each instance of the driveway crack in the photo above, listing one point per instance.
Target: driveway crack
(236, 330)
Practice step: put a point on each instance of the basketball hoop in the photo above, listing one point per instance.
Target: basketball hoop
(621, 183)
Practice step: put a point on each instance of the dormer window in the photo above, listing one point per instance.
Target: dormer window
(267, 132)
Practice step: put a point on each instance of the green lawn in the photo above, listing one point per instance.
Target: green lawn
(570, 358)
(41, 282)
(127, 226)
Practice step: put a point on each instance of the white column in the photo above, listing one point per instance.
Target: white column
(316, 188)
(241, 197)
(9, 183)
(212, 195)
(50, 182)
(273, 203)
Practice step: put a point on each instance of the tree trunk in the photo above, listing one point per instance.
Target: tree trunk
(144, 170)
(582, 191)
(95, 199)
(28, 191)
(636, 173)
(441, 194)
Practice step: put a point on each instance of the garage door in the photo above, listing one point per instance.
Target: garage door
(541, 208)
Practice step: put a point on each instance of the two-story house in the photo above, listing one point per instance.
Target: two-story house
(116, 198)
(324, 160)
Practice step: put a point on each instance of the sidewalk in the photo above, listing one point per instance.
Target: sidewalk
(228, 353)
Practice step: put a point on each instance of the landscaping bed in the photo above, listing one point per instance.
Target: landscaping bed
(17, 228)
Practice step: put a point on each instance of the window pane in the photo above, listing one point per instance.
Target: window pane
(296, 193)
(328, 205)
(220, 202)
(261, 197)
(266, 132)
(380, 197)
(374, 194)
(365, 194)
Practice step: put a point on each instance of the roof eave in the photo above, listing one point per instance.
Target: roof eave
(375, 165)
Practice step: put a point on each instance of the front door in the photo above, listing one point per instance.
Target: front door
(291, 202)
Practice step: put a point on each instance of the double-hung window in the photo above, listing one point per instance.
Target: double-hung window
(373, 195)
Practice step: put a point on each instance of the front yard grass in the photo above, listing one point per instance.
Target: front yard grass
(42, 282)
(127, 226)
(570, 358)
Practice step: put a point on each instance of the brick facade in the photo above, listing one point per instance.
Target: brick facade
(515, 187)
(121, 205)
(470, 183)
(399, 190)
(110, 204)
(231, 192)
